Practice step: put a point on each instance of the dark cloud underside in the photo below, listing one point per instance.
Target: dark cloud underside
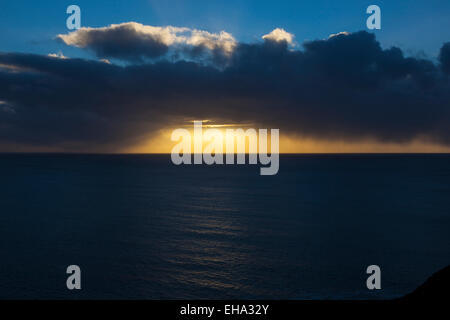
(345, 87)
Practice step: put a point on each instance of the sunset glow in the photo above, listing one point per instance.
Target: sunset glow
(161, 143)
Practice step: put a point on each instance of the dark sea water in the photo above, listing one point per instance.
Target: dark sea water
(141, 227)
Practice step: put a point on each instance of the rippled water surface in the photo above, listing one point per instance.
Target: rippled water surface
(140, 227)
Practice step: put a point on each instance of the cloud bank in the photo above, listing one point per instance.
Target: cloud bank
(279, 35)
(135, 42)
(345, 87)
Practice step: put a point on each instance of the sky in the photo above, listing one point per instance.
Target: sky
(124, 88)
(414, 26)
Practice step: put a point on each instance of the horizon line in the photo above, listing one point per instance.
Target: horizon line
(166, 153)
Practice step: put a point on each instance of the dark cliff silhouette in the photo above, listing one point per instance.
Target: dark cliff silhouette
(435, 288)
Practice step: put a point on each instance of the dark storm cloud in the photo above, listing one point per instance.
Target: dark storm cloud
(345, 87)
(122, 41)
(444, 57)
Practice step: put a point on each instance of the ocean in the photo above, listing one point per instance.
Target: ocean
(140, 227)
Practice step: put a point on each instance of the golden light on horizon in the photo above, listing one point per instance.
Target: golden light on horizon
(161, 143)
